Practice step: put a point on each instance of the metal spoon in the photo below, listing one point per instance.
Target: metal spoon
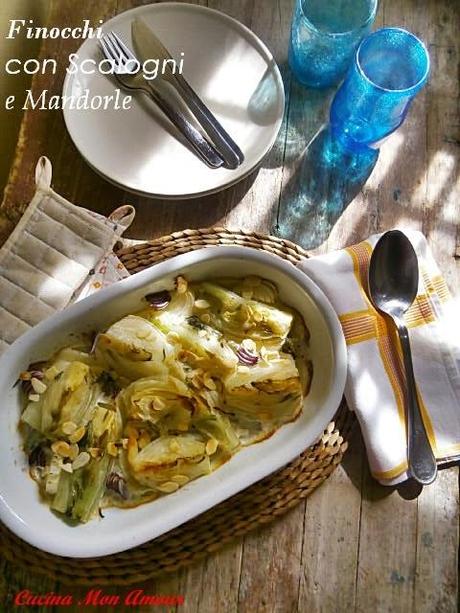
(393, 284)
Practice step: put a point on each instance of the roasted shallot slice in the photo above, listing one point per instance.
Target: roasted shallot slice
(117, 483)
(159, 300)
(246, 357)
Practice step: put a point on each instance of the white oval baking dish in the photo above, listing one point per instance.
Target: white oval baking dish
(20, 507)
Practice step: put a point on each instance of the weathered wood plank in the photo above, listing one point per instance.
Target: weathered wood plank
(12, 84)
(14, 579)
(393, 567)
(388, 538)
(436, 579)
(43, 132)
(271, 566)
(213, 584)
(388, 535)
(331, 538)
(436, 585)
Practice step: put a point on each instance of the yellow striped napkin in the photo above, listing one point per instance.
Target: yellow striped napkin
(375, 384)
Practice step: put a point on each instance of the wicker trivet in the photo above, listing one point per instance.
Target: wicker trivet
(258, 505)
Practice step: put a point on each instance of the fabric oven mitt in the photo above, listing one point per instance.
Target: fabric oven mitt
(49, 258)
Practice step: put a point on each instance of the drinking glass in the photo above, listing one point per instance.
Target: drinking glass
(324, 37)
(391, 66)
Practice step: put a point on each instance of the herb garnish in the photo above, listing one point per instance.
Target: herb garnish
(108, 384)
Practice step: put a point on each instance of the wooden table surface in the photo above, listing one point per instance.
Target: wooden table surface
(353, 545)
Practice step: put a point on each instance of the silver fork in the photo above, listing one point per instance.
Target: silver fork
(129, 76)
(144, 39)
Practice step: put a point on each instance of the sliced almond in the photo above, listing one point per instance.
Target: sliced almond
(169, 487)
(81, 460)
(73, 451)
(180, 479)
(34, 397)
(211, 446)
(67, 467)
(202, 304)
(181, 285)
(77, 435)
(68, 427)
(61, 448)
(38, 385)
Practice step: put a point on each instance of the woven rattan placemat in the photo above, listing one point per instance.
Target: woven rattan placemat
(260, 504)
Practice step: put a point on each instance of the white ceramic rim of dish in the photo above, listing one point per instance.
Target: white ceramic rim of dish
(199, 504)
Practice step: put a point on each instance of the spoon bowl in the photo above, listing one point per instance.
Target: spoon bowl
(393, 273)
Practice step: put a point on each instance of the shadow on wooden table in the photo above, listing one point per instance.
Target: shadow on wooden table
(320, 179)
(201, 212)
(75, 180)
(414, 180)
(306, 110)
(356, 466)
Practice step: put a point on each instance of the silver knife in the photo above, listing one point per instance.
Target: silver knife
(148, 46)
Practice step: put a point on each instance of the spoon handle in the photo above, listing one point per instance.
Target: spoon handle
(422, 464)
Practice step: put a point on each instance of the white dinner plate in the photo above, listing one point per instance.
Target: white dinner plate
(227, 65)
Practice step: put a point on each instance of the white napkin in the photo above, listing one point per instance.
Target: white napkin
(374, 388)
(52, 255)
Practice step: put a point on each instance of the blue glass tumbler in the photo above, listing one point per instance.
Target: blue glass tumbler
(324, 38)
(391, 66)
